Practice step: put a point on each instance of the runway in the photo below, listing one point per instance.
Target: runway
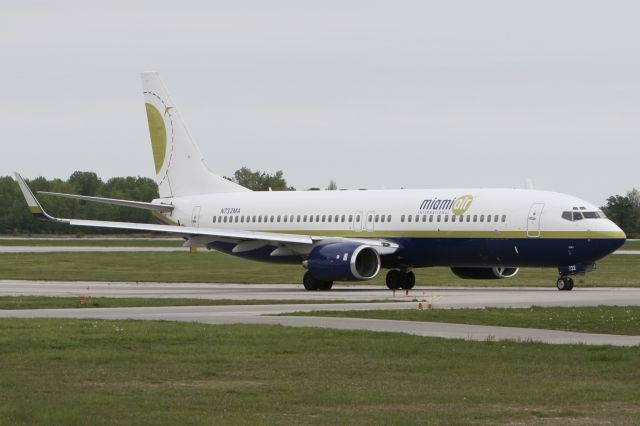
(444, 297)
(247, 314)
(385, 299)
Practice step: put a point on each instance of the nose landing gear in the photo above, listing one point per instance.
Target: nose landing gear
(564, 283)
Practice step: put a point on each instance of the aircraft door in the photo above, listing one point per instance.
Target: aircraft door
(370, 222)
(533, 220)
(357, 221)
(195, 216)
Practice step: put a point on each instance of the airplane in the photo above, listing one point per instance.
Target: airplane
(350, 235)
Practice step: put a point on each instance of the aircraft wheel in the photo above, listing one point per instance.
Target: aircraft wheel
(564, 283)
(310, 283)
(570, 283)
(408, 280)
(325, 285)
(394, 279)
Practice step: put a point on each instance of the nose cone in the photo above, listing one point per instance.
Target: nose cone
(615, 236)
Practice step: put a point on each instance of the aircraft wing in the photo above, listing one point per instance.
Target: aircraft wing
(113, 201)
(285, 244)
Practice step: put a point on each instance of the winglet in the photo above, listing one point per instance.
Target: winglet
(34, 206)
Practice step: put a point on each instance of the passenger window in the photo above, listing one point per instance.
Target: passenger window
(468, 218)
(430, 218)
(424, 217)
(357, 218)
(481, 218)
(214, 219)
(335, 218)
(285, 218)
(350, 218)
(304, 218)
(237, 219)
(291, 218)
(317, 218)
(409, 218)
(241, 219)
(504, 217)
(342, 218)
(324, 217)
(446, 218)
(488, 218)
(310, 218)
(402, 218)
(417, 218)
(329, 218)
(475, 217)
(438, 218)
(377, 218)
(495, 218)
(453, 218)
(388, 218)
(278, 218)
(382, 218)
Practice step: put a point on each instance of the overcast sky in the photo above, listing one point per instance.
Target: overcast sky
(371, 94)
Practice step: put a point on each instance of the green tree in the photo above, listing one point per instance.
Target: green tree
(15, 216)
(625, 211)
(261, 181)
(84, 183)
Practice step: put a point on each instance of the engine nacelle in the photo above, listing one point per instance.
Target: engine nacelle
(485, 273)
(343, 262)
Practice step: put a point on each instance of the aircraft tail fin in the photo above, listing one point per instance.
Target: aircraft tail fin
(180, 167)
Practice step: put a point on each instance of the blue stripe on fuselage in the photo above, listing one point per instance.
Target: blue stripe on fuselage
(468, 252)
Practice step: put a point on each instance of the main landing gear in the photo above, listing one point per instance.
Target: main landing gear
(312, 284)
(400, 280)
(564, 283)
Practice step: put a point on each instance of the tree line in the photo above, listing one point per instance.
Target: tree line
(15, 217)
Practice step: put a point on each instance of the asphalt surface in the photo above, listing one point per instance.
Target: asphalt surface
(264, 314)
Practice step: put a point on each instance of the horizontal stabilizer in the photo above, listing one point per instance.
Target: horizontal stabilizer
(113, 201)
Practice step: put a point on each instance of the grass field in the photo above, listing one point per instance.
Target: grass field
(601, 319)
(213, 267)
(43, 302)
(631, 245)
(127, 372)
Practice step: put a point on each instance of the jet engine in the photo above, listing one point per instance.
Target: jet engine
(485, 273)
(343, 262)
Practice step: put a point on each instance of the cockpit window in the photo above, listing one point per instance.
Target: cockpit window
(579, 215)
